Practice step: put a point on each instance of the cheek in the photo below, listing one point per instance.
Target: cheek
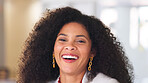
(85, 51)
(57, 51)
(57, 48)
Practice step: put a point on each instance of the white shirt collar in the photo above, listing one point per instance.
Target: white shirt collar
(101, 78)
(84, 80)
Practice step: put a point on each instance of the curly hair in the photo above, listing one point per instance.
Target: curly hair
(36, 60)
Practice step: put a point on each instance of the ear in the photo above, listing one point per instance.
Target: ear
(93, 53)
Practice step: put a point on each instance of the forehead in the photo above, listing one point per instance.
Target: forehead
(74, 28)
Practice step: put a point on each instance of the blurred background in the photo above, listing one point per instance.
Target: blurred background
(127, 19)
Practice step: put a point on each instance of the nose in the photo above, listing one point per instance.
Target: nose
(70, 47)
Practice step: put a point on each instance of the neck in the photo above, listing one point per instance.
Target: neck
(71, 78)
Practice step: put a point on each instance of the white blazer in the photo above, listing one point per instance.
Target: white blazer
(100, 78)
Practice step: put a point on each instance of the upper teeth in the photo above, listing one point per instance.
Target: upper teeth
(71, 57)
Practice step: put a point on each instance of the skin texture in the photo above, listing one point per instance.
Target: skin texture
(72, 39)
(35, 64)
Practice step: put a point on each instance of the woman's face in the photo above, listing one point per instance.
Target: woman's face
(72, 48)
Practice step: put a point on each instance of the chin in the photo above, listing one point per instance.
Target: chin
(68, 70)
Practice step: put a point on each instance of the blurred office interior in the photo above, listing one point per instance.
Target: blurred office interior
(127, 19)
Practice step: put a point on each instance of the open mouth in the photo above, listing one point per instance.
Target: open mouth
(69, 58)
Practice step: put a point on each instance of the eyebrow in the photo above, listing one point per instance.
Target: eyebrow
(80, 36)
(62, 34)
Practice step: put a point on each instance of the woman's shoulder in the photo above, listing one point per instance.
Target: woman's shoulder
(102, 78)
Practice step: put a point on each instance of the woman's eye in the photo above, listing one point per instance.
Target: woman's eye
(81, 41)
(62, 40)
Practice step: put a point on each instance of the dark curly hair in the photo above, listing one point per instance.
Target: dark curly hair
(36, 60)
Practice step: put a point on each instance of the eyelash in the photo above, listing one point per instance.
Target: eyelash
(79, 41)
(62, 40)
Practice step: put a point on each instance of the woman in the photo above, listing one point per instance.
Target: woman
(67, 46)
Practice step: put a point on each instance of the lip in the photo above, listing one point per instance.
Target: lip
(70, 54)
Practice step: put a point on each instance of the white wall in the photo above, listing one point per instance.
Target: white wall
(139, 58)
(20, 17)
(1, 34)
